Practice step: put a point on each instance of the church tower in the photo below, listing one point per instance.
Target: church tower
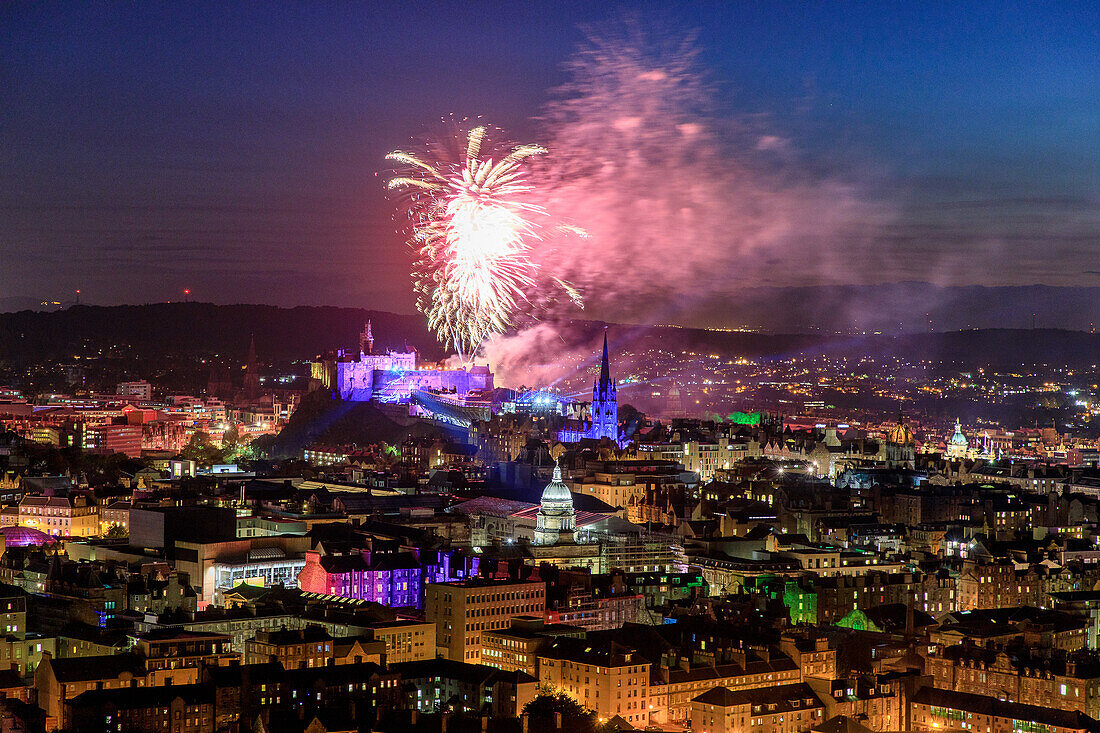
(556, 518)
(605, 403)
(252, 372)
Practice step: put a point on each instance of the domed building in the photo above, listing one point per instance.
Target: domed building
(900, 434)
(900, 448)
(958, 446)
(16, 536)
(674, 403)
(556, 518)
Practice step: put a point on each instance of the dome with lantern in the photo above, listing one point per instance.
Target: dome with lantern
(557, 497)
(958, 439)
(958, 446)
(556, 518)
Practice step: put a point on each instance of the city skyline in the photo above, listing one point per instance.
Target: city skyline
(531, 367)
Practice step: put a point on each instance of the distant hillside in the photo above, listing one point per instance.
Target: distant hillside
(992, 347)
(165, 329)
(894, 308)
(170, 329)
(904, 307)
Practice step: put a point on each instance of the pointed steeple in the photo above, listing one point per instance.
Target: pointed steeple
(605, 369)
(251, 372)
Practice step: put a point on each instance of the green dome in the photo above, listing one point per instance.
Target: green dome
(958, 438)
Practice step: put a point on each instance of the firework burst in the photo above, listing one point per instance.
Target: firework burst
(473, 227)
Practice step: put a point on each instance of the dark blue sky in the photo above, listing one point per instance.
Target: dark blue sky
(234, 148)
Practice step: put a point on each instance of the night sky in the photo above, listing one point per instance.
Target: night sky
(236, 148)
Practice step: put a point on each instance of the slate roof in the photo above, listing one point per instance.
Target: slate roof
(752, 667)
(246, 592)
(720, 696)
(1015, 711)
(841, 724)
(131, 698)
(378, 561)
(778, 699)
(233, 675)
(596, 651)
(9, 679)
(452, 669)
(83, 669)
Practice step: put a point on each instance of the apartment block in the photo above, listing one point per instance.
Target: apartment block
(462, 610)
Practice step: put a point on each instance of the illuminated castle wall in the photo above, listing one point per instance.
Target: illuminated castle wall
(355, 380)
(397, 386)
(392, 377)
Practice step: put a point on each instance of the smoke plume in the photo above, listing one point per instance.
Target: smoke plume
(680, 206)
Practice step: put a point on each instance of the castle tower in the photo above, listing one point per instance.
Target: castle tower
(556, 518)
(366, 340)
(605, 404)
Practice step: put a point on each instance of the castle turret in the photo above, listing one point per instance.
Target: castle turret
(366, 340)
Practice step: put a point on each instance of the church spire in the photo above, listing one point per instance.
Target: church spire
(605, 369)
(251, 371)
(605, 407)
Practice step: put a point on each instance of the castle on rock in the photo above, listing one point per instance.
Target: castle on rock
(394, 375)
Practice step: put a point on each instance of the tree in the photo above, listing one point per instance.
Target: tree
(117, 532)
(628, 413)
(231, 436)
(202, 450)
(103, 470)
(574, 716)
